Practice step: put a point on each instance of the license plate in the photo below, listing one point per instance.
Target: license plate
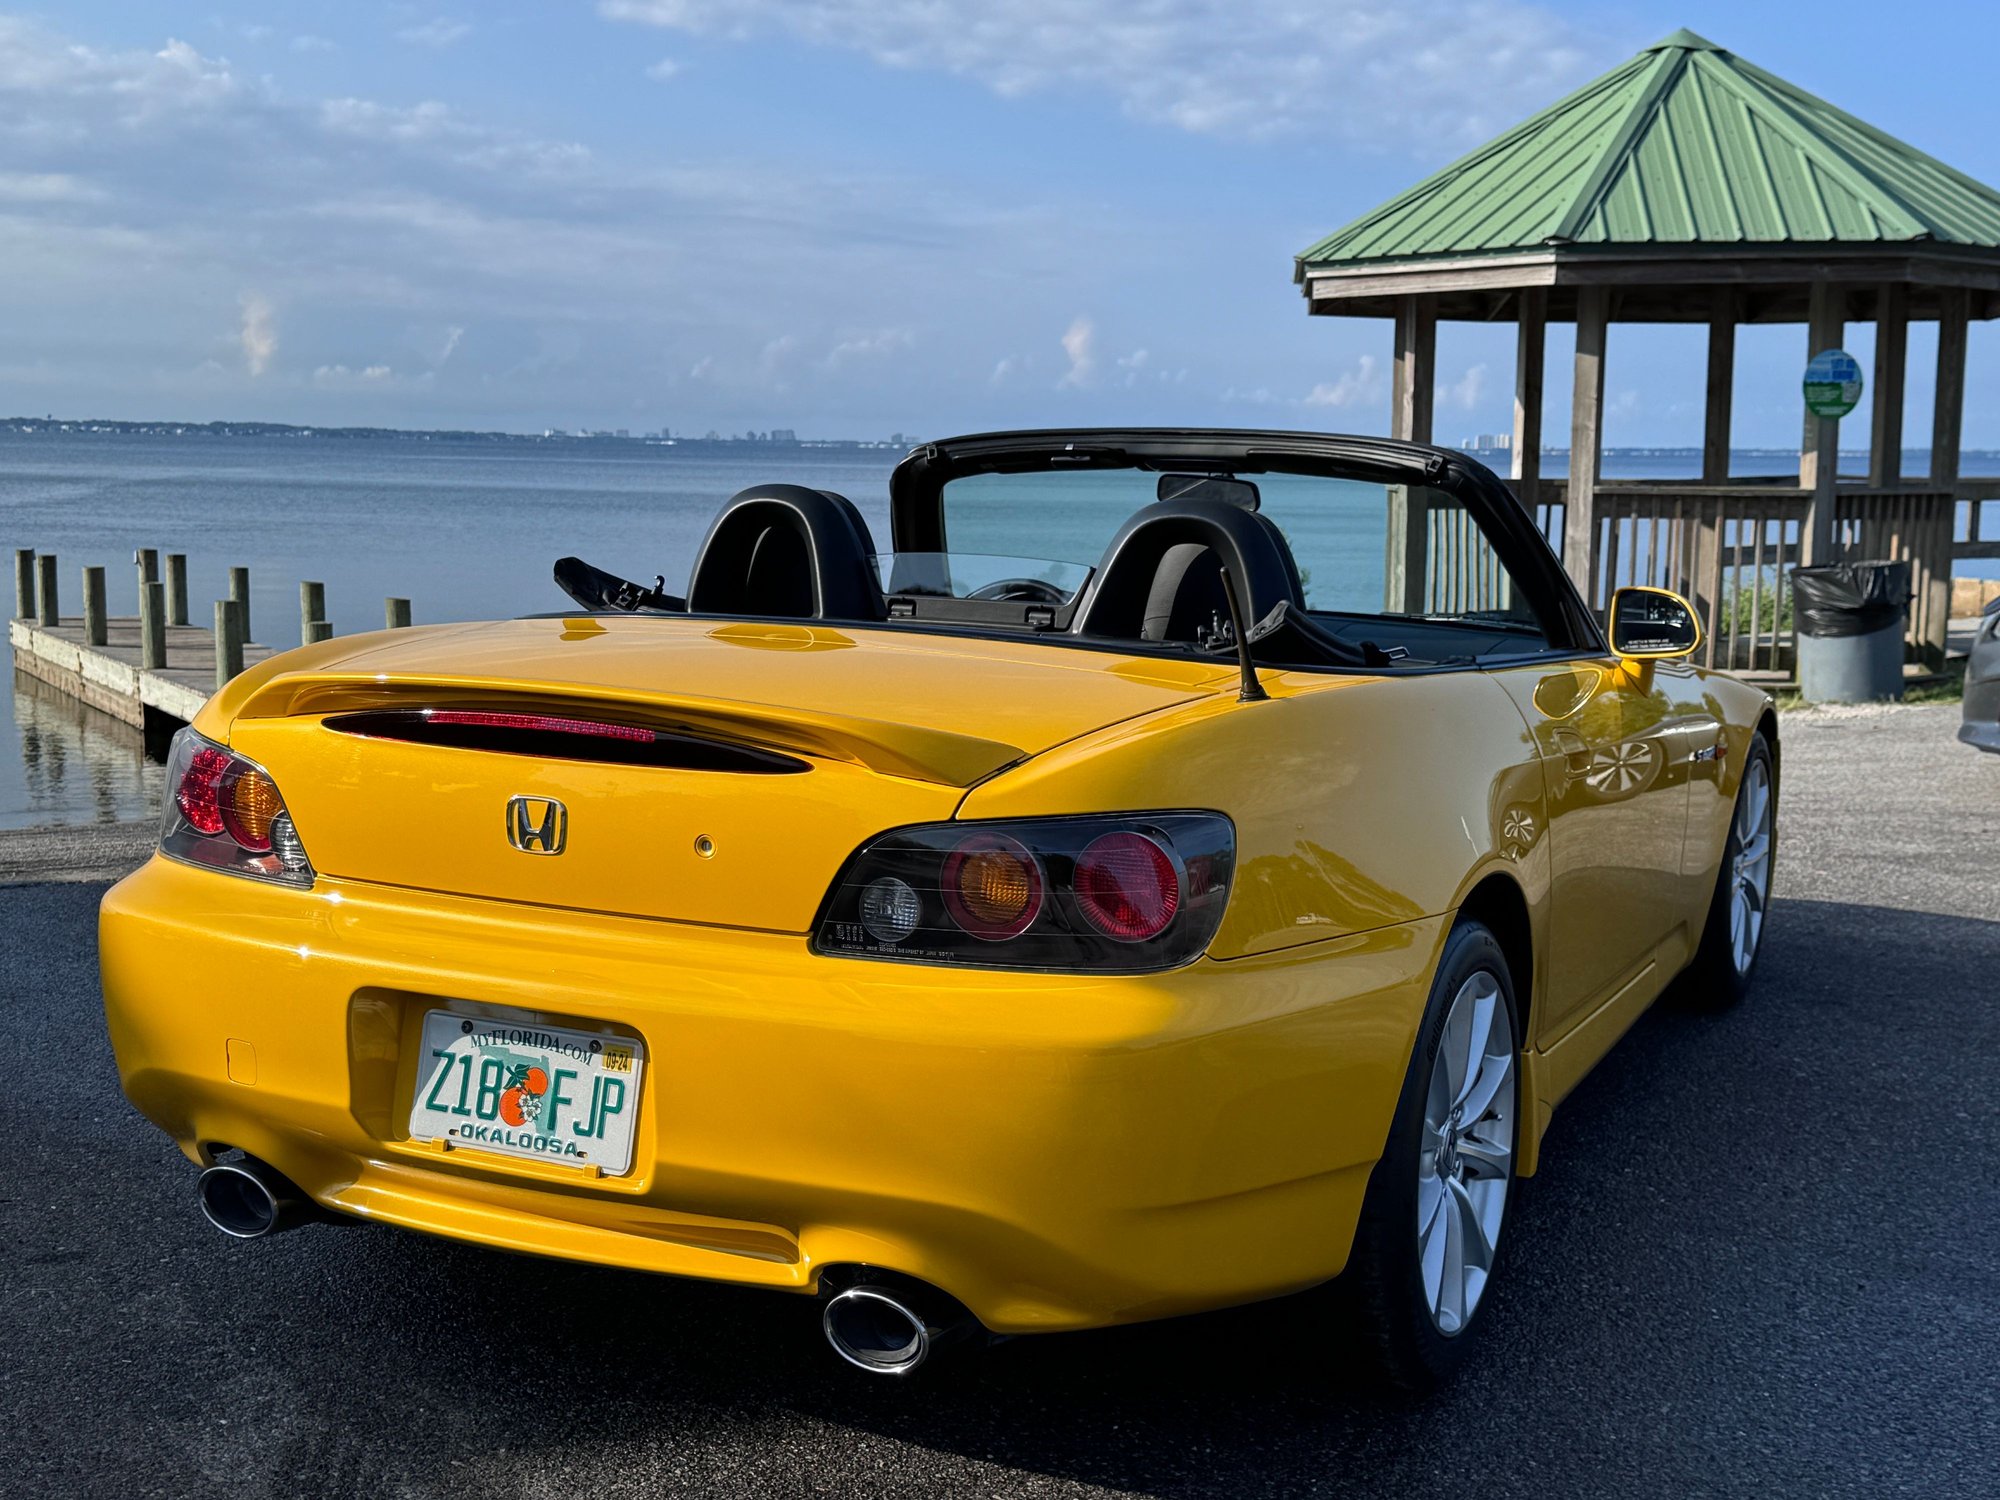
(521, 1089)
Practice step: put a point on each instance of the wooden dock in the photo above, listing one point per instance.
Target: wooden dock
(110, 677)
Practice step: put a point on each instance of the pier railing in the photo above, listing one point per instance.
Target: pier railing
(1729, 550)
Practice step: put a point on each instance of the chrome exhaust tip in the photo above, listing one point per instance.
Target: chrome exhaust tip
(890, 1327)
(249, 1199)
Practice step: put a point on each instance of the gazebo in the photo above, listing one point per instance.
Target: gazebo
(1688, 186)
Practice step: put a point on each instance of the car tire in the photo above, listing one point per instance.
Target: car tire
(1409, 1321)
(1719, 976)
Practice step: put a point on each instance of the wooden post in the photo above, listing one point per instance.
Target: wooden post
(312, 609)
(95, 632)
(1892, 357)
(153, 626)
(317, 631)
(239, 594)
(177, 588)
(397, 613)
(1531, 340)
(147, 560)
(228, 641)
(1721, 388)
(48, 604)
(1819, 445)
(24, 583)
(1949, 422)
(1586, 441)
(1411, 396)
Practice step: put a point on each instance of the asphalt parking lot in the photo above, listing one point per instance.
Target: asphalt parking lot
(1760, 1259)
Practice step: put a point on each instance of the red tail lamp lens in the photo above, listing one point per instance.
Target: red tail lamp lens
(1126, 887)
(992, 887)
(199, 796)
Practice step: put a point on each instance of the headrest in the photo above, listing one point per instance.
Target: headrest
(1254, 551)
(782, 549)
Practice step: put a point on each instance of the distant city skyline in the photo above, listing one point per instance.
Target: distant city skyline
(838, 216)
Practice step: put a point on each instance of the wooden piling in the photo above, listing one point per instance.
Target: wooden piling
(317, 631)
(312, 609)
(95, 631)
(24, 583)
(397, 613)
(239, 594)
(48, 604)
(147, 561)
(177, 588)
(152, 626)
(228, 640)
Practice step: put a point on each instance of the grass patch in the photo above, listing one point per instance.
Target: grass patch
(1947, 687)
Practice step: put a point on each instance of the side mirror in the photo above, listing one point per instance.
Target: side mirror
(1653, 623)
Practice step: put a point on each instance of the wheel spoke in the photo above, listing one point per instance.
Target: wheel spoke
(1431, 1244)
(1494, 1074)
(1476, 1250)
(1477, 1037)
(1451, 1291)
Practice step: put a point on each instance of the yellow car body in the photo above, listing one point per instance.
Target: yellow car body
(1056, 1150)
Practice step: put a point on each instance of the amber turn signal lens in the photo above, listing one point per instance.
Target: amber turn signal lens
(992, 887)
(249, 805)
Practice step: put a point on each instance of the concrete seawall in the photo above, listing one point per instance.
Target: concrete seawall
(92, 851)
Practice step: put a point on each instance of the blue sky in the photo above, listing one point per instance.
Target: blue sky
(847, 217)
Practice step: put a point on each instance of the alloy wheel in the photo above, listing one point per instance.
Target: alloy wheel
(1464, 1161)
(1750, 869)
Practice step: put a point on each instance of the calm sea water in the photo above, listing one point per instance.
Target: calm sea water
(466, 530)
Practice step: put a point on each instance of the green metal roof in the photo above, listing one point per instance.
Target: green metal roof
(1684, 145)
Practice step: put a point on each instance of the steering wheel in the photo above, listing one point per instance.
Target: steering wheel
(1021, 591)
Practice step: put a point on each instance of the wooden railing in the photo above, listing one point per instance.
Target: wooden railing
(1729, 549)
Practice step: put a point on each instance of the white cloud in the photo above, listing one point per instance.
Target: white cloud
(1356, 387)
(1464, 392)
(869, 346)
(1076, 347)
(1002, 370)
(701, 367)
(340, 376)
(438, 32)
(664, 69)
(1390, 75)
(452, 336)
(310, 43)
(47, 187)
(259, 333)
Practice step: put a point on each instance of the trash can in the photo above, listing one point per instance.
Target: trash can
(1850, 630)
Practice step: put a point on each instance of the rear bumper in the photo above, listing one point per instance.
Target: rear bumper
(1055, 1151)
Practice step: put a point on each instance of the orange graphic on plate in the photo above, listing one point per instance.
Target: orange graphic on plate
(522, 1101)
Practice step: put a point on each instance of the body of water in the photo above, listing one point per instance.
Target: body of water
(465, 530)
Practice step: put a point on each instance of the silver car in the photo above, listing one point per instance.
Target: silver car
(1982, 684)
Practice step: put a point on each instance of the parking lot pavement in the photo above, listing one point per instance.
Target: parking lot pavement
(1758, 1261)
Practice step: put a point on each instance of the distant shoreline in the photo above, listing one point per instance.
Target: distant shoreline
(75, 426)
(71, 426)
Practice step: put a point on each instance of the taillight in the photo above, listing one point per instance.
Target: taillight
(1125, 892)
(1127, 887)
(225, 812)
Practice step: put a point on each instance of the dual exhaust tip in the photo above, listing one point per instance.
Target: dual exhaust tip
(249, 1199)
(890, 1325)
(885, 1325)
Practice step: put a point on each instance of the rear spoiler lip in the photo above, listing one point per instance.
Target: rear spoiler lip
(940, 756)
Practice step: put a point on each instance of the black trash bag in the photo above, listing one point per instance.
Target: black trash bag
(1843, 599)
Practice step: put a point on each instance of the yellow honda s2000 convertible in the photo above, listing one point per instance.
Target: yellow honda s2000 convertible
(1129, 896)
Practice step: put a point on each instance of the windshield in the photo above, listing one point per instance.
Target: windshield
(978, 575)
(1339, 532)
